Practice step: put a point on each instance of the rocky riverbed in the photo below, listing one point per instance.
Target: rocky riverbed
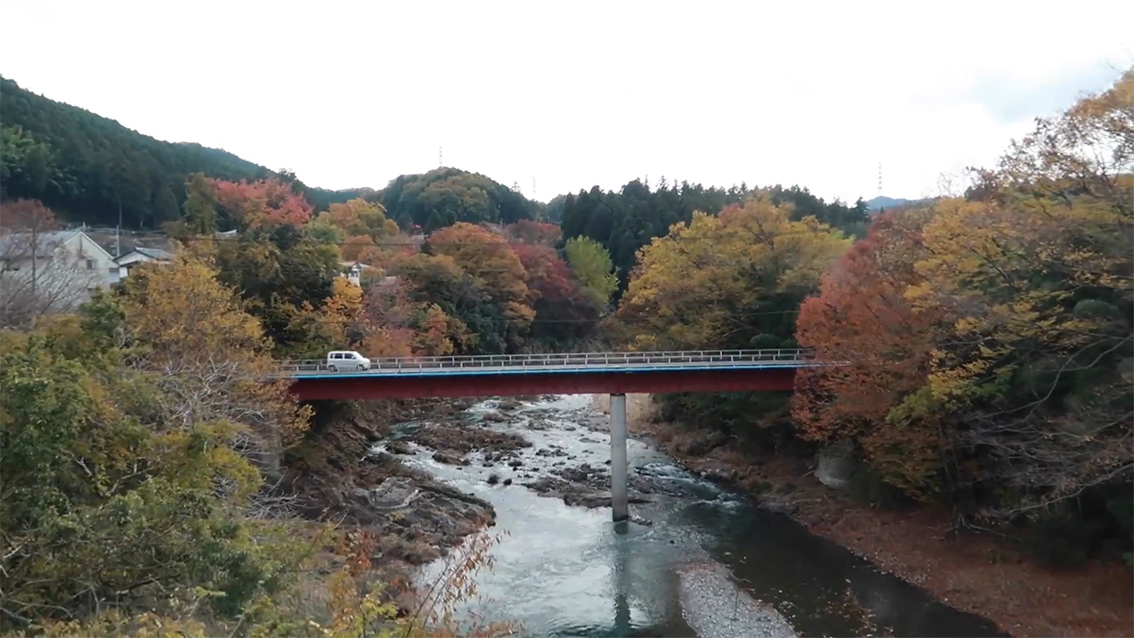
(692, 552)
(336, 476)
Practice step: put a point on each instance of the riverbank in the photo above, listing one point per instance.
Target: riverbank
(970, 572)
(334, 476)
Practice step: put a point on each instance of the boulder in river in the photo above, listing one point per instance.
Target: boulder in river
(399, 447)
(835, 465)
(448, 458)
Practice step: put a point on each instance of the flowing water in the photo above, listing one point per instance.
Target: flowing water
(701, 561)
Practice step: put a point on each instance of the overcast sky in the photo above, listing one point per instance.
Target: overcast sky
(574, 94)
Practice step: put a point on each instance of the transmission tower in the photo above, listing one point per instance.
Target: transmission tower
(440, 161)
(879, 179)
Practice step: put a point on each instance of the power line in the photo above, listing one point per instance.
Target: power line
(627, 320)
(419, 244)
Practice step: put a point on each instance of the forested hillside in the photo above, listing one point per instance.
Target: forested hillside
(445, 196)
(87, 167)
(626, 221)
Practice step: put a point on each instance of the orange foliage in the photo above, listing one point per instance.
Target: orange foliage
(261, 203)
(863, 318)
(353, 248)
(533, 232)
(496, 268)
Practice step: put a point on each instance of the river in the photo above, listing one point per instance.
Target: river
(697, 560)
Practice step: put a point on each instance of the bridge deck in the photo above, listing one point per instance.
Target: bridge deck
(528, 364)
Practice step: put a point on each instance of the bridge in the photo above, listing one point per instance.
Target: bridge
(614, 373)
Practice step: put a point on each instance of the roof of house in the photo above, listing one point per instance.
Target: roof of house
(45, 241)
(154, 253)
(352, 264)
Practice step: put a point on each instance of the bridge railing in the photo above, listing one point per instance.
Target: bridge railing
(723, 358)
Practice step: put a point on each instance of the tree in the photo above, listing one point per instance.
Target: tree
(989, 339)
(359, 217)
(261, 204)
(39, 273)
(200, 205)
(106, 504)
(730, 281)
(722, 282)
(338, 324)
(562, 312)
(591, 264)
(476, 323)
(861, 318)
(279, 273)
(1032, 369)
(533, 232)
(212, 355)
(493, 264)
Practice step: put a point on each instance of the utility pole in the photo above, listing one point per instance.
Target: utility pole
(118, 234)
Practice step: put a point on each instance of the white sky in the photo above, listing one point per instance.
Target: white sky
(579, 93)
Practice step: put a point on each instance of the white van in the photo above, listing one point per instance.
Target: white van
(346, 360)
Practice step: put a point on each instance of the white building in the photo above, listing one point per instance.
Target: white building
(139, 255)
(50, 272)
(353, 270)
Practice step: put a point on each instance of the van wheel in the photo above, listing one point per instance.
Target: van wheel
(333, 368)
(361, 367)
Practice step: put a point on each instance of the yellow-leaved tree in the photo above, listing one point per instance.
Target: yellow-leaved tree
(1033, 276)
(732, 280)
(212, 355)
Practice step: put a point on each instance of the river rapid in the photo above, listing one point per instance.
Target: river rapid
(696, 559)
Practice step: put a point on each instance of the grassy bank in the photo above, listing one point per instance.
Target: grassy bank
(970, 571)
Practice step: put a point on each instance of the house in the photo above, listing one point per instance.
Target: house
(139, 255)
(353, 270)
(51, 271)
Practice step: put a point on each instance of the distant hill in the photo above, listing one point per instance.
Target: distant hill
(87, 167)
(445, 196)
(886, 202)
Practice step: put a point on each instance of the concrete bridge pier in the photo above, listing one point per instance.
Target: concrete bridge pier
(619, 480)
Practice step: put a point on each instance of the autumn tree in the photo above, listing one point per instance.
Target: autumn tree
(361, 227)
(211, 355)
(861, 318)
(732, 281)
(475, 323)
(279, 273)
(119, 492)
(528, 231)
(261, 204)
(563, 312)
(728, 281)
(989, 352)
(337, 324)
(496, 270)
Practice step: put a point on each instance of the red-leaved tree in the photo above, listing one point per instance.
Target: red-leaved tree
(861, 318)
(562, 310)
(263, 203)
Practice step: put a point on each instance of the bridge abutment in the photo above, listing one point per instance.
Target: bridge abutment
(619, 479)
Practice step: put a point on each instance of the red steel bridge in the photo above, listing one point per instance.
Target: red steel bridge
(614, 373)
(567, 373)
